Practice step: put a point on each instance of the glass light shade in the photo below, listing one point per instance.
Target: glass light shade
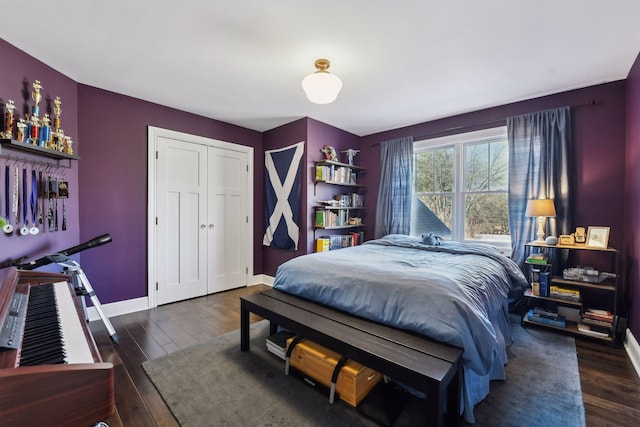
(322, 87)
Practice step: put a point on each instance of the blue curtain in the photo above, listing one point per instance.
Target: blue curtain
(393, 209)
(540, 149)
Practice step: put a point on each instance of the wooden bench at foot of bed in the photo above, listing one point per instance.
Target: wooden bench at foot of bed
(428, 366)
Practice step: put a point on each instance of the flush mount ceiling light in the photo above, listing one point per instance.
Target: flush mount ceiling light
(322, 87)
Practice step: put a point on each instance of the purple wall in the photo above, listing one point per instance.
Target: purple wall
(319, 135)
(113, 176)
(599, 140)
(632, 194)
(19, 71)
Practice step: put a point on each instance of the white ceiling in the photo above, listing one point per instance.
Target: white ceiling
(401, 62)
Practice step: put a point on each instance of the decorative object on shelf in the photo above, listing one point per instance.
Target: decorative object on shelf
(551, 240)
(598, 237)
(322, 87)
(36, 96)
(329, 153)
(34, 122)
(9, 119)
(566, 239)
(351, 153)
(33, 130)
(541, 209)
(580, 236)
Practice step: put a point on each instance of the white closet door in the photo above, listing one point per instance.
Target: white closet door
(181, 207)
(228, 219)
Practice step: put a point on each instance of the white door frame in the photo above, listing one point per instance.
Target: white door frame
(153, 134)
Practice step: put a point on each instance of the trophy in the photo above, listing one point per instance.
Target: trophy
(68, 145)
(9, 120)
(45, 131)
(21, 125)
(34, 130)
(57, 109)
(37, 97)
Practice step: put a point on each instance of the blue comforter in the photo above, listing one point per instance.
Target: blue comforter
(455, 293)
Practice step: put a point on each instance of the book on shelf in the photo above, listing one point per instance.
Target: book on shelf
(599, 315)
(332, 173)
(277, 343)
(323, 244)
(543, 284)
(592, 331)
(321, 218)
(559, 322)
(566, 294)
(537, 259)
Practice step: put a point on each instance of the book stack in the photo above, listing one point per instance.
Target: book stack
(566, 294)
(598, 323)
(537, 259)
(331, 173)
(277, 343)
(546, 317)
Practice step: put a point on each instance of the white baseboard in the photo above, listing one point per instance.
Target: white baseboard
(138, 304)
(263, 279)
(633, 351)
(118, 308)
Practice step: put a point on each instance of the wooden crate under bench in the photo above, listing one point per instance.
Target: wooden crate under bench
(354, 381)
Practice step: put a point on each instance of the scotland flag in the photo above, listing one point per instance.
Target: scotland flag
(283, 186)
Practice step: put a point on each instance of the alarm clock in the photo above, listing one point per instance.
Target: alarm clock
(580, 235)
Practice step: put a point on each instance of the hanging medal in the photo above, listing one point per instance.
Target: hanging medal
(16, 196)
(25, 211)
(53, 198)
(63, 193)
(41, 198)
(50, 210)
(6, 227)
(34, 201)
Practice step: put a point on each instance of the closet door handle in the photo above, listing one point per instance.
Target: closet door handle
(203, 226)
(210, 225)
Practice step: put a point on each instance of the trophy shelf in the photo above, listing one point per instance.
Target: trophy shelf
(34, 149)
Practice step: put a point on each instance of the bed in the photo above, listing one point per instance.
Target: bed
(454, 293)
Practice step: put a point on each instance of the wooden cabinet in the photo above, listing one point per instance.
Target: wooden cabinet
(584, 299)
(346, 209)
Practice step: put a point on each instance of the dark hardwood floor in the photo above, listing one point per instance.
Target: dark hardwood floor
(610, 386)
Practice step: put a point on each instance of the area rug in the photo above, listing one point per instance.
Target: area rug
(215, 384)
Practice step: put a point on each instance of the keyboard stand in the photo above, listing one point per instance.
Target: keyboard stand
(83, 288)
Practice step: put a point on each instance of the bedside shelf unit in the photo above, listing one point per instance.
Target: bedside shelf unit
(329, 172)
(605, 298)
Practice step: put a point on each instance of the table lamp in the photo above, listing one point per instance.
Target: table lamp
(541, 209)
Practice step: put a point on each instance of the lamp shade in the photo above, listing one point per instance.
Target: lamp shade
(322, 87)
(540, 208)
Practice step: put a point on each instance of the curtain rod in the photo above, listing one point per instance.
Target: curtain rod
(489, 122)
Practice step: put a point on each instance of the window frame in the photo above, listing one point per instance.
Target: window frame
(458, 142)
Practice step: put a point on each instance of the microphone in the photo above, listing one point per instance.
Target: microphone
(96, 241)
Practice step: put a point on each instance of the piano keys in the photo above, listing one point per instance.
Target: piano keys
(51, 372)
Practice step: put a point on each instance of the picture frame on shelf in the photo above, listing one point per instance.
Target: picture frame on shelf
(598, 237)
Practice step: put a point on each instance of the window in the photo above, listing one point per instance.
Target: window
(460, 187)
